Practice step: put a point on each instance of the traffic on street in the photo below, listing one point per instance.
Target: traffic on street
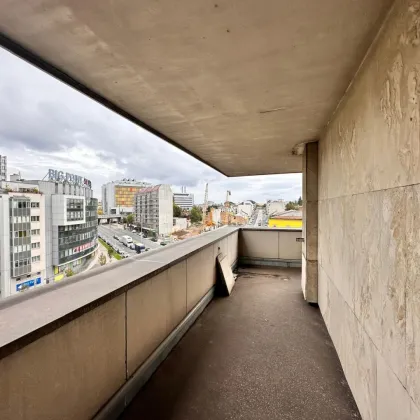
(112, 234)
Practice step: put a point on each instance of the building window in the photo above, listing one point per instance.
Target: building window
(34, 218)
(36, 258)
(35, 232)
(36, 245)
(35, 205)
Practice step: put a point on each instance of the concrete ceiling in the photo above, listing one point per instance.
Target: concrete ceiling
(236, 83)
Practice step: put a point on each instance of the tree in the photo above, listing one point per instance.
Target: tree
(196, 214)
(177, 211)
(102, 259)
(69, 272)
(291, 206)
(300, 202)
(130, 219)
(110, 252)
(124, 220)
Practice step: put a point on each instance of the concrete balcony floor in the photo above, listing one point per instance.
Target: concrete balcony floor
(262, 353)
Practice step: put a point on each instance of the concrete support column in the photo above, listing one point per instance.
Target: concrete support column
(310, 223)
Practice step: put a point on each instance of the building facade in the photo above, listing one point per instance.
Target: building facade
(277, 206)
(154, 209)
(118, 197)
(22, 239)
(184, 200)
(72, 228)
(3, 168)
(245, 209)
(47, 227)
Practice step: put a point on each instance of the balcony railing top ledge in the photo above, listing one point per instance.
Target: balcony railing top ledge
(27, 317)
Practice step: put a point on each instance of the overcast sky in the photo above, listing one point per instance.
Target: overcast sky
(46, 124)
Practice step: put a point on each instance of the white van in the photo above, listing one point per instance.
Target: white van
(127, 240)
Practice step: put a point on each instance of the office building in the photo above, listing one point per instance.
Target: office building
(118, 197)
(3, 168)
(184, 200)
(154, 209)
(22, 238)
(62, 230)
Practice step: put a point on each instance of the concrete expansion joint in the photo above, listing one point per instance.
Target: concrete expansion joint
(368, 192)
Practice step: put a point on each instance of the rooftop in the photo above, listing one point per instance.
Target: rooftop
(289, 214)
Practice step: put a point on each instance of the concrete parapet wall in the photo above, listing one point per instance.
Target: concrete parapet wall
(72, 368)
(369, 224)
(270, 245)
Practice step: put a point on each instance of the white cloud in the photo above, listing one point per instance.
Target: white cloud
(46, 124)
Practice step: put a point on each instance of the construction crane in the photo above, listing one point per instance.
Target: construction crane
(206, 196)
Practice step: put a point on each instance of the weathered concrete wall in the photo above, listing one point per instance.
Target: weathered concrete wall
(270, 245)
(369, 224)
(310, 223)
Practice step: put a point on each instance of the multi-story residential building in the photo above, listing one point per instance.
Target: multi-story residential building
(154, 209)
(22, 238)
(275, 206)
(3, 168)
(63, 227)
(118, 197)
(245, 209)
(184, 200)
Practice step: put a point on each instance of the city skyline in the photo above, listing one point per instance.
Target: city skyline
(46, 124)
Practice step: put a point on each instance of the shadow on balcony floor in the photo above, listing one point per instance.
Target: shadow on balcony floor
(262, 353)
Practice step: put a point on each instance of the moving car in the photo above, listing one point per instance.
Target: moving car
(139, 247)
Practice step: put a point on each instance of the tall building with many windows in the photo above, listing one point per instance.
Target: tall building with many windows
(48, 230)
(118, 197)
(3, 168)
(154, 209)
(22, 238)
(184, 200)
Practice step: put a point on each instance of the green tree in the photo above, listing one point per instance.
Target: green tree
(110, 252)
(196, 214)
(300, 202)
(102, 259)
(124, 220)
(130, 219)
(69, 272)
(291, 206)
(177, 211)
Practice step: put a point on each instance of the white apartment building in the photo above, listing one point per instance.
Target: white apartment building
(22, 238)
(275, 206)
(118, 197)
(184, 200)
(245, 209)
(154, 209)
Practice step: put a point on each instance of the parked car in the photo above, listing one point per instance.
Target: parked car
(132, 246)
(116, 237)
(134, 231)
